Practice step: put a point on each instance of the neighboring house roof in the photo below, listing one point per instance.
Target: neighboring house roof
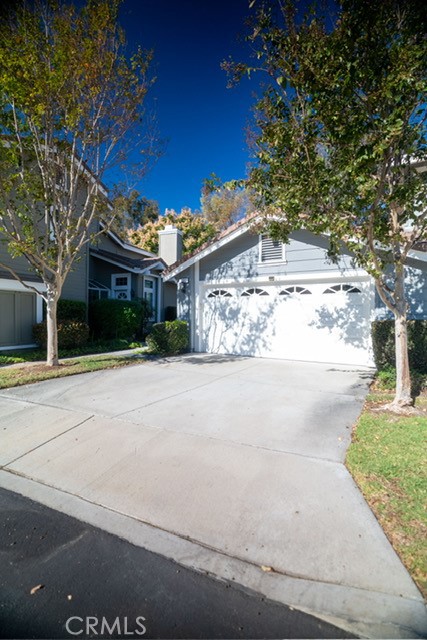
(126, 245)
(212, 245)
(137, 265)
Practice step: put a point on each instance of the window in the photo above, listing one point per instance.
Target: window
(98, 291)
(149, 294)
(219, 293)
(271, 250)
(290, 290)
(255, 292)
(120, 286)
(348, 288)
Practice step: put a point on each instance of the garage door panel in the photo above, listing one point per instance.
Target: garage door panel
(322, 327)
(17, 317)
(7, 318)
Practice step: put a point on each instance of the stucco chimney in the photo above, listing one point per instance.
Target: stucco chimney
(170, 244)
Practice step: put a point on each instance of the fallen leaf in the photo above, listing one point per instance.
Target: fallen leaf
(36, 588)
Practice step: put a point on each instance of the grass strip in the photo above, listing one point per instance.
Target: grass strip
(388, 460)
(14, 377)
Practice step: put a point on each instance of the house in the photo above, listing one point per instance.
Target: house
(245, 294)
(109, 268)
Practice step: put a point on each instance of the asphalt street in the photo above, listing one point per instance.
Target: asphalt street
(61, 578)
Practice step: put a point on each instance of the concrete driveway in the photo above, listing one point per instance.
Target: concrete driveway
(233, 466)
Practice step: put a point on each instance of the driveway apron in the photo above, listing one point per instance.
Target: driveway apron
(238, 459)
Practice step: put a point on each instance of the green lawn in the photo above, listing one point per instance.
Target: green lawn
(16, 376)
(34, 355)
(388, 460)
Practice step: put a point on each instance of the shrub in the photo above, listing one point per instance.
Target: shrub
(118, 318)
(384, 349)
(170, 337)
(71, 310)
(71, 333)
(157, 340)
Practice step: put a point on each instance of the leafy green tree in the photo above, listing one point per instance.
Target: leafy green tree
(135, 211)
(71, 109)
(340, 137)
(224, 203)
(195, 230)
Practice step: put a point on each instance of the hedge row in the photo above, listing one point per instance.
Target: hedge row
(108, 319)
(119, 318)
(384, 348)
(71, 333)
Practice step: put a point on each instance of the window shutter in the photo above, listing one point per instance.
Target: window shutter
(271, 250)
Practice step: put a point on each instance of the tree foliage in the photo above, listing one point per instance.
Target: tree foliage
(71, 109)
(224, 203)
(134, 211)
(195, 228)
(340, 136)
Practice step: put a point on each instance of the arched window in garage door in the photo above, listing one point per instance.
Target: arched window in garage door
(255, 292)
(219, 293)
(347, 288)
(299, 290)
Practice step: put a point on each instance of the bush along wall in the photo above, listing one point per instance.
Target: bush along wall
(384, 349)
(71, 310)
(71, 333)
(73, 330)
(169, 338)
(110, 319)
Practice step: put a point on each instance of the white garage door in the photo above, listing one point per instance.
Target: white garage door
(322, 322)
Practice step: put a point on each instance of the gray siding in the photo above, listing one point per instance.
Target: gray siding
(75, 285)
(416, 295)
(239, 259)
(20, 264)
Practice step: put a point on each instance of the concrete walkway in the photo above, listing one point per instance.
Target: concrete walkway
(233, 466)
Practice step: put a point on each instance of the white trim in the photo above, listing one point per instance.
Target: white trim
(210, 249)
(8, 284)
(159, 296)
(15, 347)
(115, 287)
(318, 276)
(153, 280)
(197, 330)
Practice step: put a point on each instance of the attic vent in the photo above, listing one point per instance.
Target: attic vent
(271, 250)
(348, 288)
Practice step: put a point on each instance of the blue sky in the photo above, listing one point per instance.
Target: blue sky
(203, 121)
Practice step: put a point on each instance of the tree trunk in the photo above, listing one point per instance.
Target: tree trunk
(52, 328)
(403, 396)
